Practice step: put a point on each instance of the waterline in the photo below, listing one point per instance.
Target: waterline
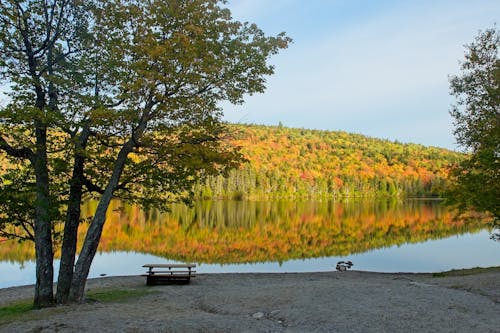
(456, 252)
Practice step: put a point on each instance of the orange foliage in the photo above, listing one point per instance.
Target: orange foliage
(298, 163)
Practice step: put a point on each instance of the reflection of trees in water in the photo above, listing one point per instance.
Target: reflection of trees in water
(236, 214)
(239, 231)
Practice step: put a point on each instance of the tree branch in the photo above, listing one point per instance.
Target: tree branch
(29, 232)
(9, 235)
(91, 187)
(24, 152)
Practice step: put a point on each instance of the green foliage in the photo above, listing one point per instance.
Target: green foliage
(17, 213)
(124, 64)
(287, 163)
(477, 125)
(118, 99)
(17, 191)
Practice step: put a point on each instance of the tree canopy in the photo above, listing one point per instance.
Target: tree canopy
(477, 125)
(300, 164)
(116, 98)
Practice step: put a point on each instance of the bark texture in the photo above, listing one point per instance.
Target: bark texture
(43, 229)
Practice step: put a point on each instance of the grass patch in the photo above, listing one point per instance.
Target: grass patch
(464, 272)
(24, 310)
(15, 310)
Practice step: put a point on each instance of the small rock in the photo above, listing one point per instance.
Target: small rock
(258, 315)
(344, 265)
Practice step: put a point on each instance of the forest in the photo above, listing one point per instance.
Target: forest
(294, 164)
(283, 163)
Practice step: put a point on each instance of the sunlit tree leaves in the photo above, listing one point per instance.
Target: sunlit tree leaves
(477, 125)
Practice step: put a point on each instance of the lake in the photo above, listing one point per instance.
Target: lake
(241, 236)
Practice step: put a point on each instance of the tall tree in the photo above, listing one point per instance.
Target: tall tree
(119, 99)
(37, 40)
(477, 125)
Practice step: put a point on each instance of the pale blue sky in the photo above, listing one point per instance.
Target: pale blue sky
(378, 68)
(375, 67)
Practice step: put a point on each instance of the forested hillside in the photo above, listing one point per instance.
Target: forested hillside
(286, 163)
(301, 164)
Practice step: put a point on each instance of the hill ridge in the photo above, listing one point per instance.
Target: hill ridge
(295, 163)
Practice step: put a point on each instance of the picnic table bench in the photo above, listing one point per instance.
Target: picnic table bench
(169, 273)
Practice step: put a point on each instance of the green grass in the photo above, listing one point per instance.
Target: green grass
(464, 272)
(24, 310)
(15, 310)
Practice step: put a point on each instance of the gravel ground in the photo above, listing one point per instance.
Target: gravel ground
(350, 301)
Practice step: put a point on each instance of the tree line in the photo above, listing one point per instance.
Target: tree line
(291, 163)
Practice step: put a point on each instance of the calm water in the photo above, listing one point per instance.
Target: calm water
(411, 236)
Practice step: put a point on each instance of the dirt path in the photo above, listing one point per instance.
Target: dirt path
(304, 302)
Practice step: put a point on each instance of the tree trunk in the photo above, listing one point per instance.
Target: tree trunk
(68, 250)
(89, 249)
(43, 229)
(94, 232)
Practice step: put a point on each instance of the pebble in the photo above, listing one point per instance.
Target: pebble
(258, 315)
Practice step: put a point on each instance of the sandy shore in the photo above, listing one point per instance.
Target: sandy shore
(305, 302)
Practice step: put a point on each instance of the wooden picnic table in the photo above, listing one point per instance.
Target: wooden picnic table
(169, 273)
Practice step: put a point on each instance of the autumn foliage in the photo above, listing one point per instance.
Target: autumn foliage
(287, 163)
(245, 232)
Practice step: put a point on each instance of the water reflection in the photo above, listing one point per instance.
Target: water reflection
(226, 236)
(248, 232)
(227, 232)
